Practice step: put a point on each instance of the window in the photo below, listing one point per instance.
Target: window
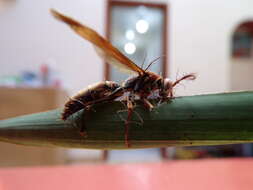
(242, 41)
(139, 31)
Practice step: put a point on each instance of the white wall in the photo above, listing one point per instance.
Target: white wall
(29, 36)
(241, 76)
(199, 41)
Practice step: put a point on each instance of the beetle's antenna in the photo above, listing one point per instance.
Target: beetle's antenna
(156, 59)
(144, 59)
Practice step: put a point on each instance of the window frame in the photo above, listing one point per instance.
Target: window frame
(164, 7)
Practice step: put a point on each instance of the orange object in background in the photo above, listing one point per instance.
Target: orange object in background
(225, 174)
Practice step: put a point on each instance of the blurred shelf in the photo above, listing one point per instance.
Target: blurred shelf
(19, 101)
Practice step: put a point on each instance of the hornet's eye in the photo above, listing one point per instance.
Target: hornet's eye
(159, 82)
(114, 86)
(168, 84)
(109, 85)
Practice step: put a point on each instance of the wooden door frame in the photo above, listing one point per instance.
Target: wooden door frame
(163, 6)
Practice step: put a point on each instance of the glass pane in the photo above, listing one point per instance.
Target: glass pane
(138, 33)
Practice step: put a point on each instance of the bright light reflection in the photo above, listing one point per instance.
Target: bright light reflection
(142, 26)
(129, 48)
(130, 34)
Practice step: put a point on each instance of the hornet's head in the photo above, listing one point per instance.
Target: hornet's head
(167, 85)
(166, 88)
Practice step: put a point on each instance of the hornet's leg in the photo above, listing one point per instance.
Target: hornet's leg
(137, 114)
(171, 95)
(118, 92)
(130, 106)
(147, 103)
(115, 94)
(83, 129)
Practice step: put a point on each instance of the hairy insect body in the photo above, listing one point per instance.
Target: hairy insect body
(86, 97)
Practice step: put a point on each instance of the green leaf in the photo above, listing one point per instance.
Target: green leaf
(185, 121)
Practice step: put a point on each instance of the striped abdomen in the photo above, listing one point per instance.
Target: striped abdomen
(87, 96)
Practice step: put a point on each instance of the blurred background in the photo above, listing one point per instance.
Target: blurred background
(43, 62)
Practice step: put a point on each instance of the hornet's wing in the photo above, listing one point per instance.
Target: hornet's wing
(104, 48)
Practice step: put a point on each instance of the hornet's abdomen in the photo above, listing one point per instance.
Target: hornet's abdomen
(87, 96)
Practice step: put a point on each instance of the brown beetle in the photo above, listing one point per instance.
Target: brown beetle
(141, 86)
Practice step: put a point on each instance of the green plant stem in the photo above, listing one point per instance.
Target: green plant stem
(186, 121)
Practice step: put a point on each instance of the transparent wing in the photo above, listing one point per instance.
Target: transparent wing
(104, 48)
